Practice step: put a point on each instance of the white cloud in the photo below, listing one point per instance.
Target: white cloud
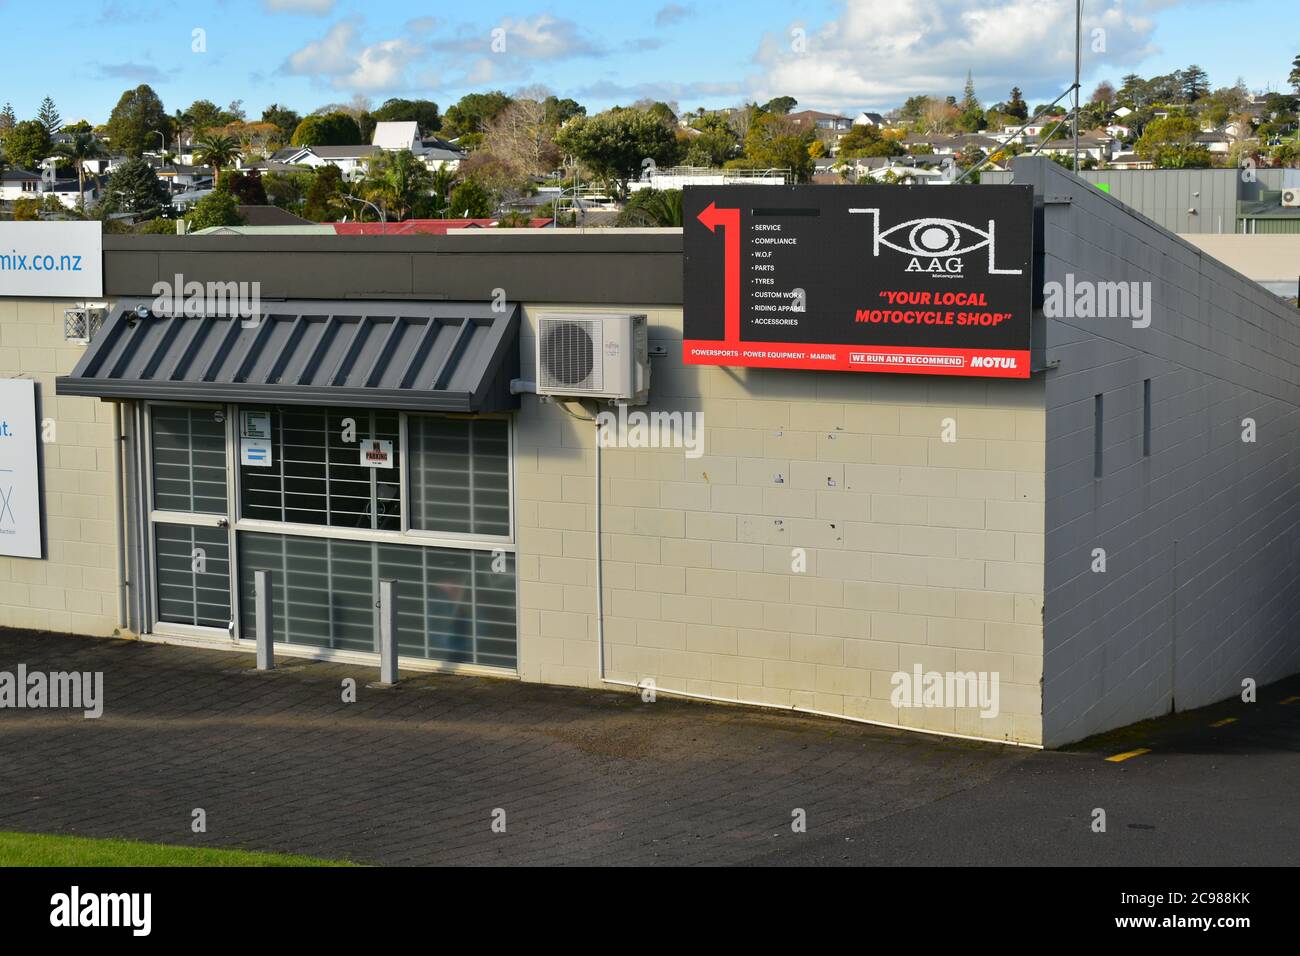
(879, 52)
(331, 55)
(342, 61)
(545, 37)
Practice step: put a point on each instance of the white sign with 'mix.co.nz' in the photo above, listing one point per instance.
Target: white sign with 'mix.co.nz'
(20, 491)
(63, 260)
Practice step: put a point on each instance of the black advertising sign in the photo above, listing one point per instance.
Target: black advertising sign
(922, 279)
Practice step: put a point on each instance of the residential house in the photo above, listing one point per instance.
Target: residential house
(179, 178)
(395, 137)
(828, 127)
(869, 119)
(19, 184)
(351, 160)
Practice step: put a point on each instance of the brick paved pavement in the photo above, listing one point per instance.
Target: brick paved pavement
(411, 774)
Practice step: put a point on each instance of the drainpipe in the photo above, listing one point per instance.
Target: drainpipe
(119, 449)
(600, 569)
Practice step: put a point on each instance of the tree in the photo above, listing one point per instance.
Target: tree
(27, 209)
(136, 119)
(1193, 83)
(1016, 107)
(716, 143)
(7, 121)
(469, 200)
(283, 119)
(395, 182)
(937, 116)
(774, 142)
(1103, 95)
(613, 145)
(1171, 144)
(560, 111)
(1294, 76)
(202, 115)
(863, 141)
(84, 147)
(323, 197)
(651, 208)
(522, 135)
(48, 115)
(28, 144)
(134, 187)
(288, 190)
(330, 129)
(247, 187)
(217, 151)
(422, 112)
(218, 208)
(780, 105)
(473, 111)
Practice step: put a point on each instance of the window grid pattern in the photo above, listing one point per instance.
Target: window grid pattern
(186, 594)
(316, 477)
(453, 605)
(189, 459)
(459, 475)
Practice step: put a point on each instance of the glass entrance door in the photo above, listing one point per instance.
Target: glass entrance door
(189, 520)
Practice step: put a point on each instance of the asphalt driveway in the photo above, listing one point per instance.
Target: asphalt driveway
(417, 773)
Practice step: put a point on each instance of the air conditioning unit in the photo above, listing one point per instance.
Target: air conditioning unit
(593, 355)
(1291, 198)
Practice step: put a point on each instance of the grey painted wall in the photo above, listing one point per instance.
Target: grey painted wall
(607, 266)
(1201, 537)
(1181, 200)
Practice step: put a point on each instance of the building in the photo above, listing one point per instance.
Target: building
(1190, 201)
(1272, 260)
(376, 424)
(352, 161)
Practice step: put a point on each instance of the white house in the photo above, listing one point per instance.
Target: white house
(869, 119)
(395, 137)
(351, 160)
(19, 184)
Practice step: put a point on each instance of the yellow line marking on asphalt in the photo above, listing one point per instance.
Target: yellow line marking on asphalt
(1129, 753)
(1291, 700)
(1224, 722)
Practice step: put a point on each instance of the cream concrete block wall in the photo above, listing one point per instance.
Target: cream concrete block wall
(918, 550)
(73, 588)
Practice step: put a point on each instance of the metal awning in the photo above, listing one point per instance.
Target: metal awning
(436, 356)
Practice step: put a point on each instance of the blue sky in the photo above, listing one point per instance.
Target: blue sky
(850, 55)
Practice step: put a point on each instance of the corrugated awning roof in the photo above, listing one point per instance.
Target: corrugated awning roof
(435, 356)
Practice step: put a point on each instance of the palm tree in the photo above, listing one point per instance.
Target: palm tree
(396, 182)
(84, 147)
(217, 151)
(653, 207)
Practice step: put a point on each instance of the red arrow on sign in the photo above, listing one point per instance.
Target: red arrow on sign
(713, 217)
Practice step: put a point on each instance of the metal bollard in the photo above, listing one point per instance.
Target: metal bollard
(387, 633)
(262, 604)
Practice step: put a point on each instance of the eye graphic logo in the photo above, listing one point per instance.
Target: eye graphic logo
(939, 240)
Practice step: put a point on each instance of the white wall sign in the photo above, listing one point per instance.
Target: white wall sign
(256, 452)
(20, 491)
(255, 425)
(377, 454)
(56, 259)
